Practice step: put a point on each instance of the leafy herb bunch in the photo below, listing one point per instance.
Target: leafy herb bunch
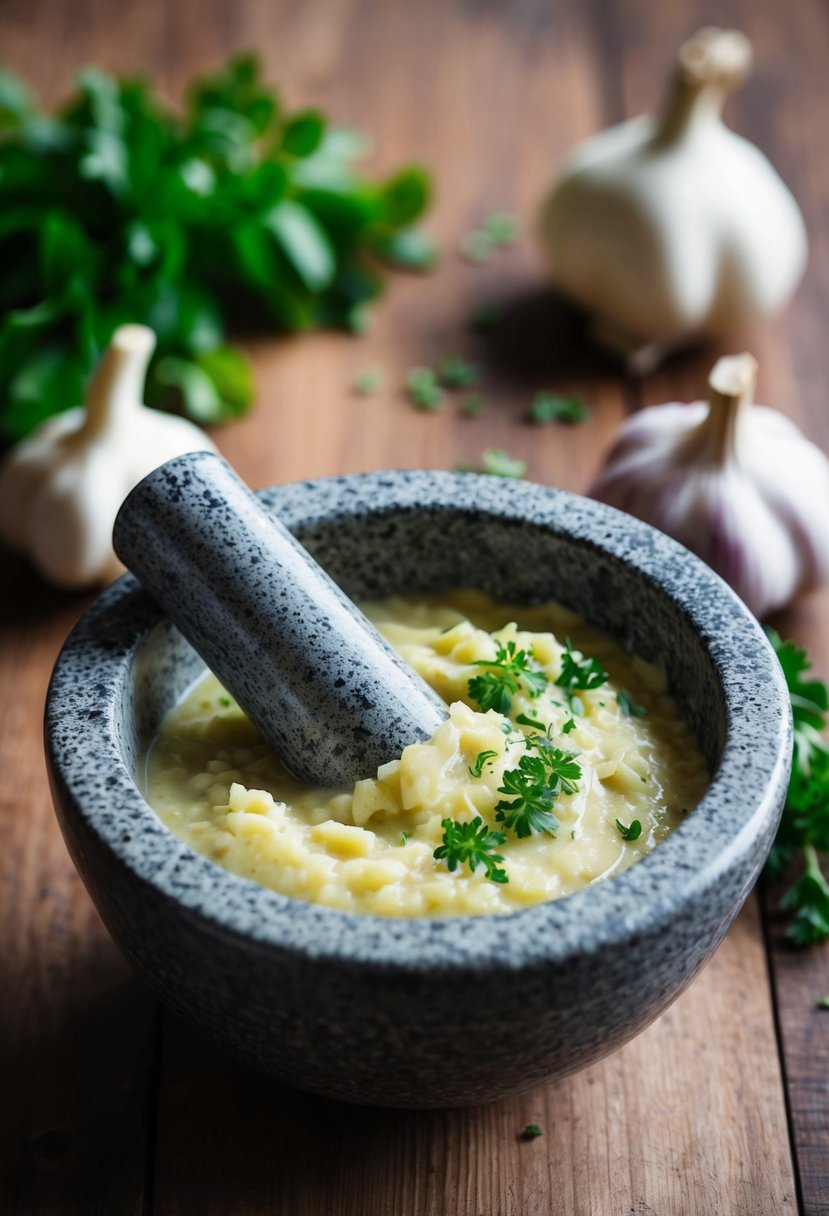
(234, 214)
(804, 828)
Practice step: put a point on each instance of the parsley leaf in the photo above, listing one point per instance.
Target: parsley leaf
(633, 832)
(579, 674)
(510, 667)
(474, 845)
(477, 768)
(424, 389)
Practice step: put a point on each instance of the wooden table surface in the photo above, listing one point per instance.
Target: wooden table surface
(110, 1105)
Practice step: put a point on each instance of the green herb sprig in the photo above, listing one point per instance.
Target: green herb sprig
(630, 832)
(579, 675)
(547, 408)
(504, 676)
(533, 787)
(804, 829)
(234, 211)
(472, 844)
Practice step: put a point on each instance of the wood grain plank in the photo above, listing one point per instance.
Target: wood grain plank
(491, 96)
(76, 1027)
(784, 111)
(686, 1119)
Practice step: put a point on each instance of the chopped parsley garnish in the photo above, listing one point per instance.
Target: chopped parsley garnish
(534, 786)
(823, 1003)
(472, 844)
(628, 706)
(569, 725)
(531, 1132)
(225, 701)
(633, 832)
(579, 675)
(502, 228)
(477, 768)
(804, 828)
(505, 673)
(553, 407)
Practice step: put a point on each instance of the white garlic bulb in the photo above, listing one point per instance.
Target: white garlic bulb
(60, 489)
(671, 227)
(737, 483)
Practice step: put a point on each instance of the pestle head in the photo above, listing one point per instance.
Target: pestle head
(324, 689)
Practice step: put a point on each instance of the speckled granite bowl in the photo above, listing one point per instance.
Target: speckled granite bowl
(431, 1012)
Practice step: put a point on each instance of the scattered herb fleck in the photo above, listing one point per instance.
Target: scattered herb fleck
(555, 407)
(823, 1003)
(454, 372)
(628, 706)
(633, 832)
(404, 837)
(224, 701)
(368, 382)
(502, 228)
(472, 844)
(473, 405)
(477, 768)
(496, 462)
(531, 1132)
(424, 390)
(569, 725)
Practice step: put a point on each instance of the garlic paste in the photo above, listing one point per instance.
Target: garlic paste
(216, 785)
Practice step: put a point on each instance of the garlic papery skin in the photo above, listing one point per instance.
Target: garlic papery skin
(737, 483)
(673, 227)
(60, 488)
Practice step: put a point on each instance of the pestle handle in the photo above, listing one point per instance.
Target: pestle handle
(324, 689)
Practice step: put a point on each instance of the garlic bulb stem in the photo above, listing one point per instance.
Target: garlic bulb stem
(731, 383)
(709, 66)
(116, 389)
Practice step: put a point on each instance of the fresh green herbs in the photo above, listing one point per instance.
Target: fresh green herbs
(823, 1003)
(476, 769)
(404, 838)
(628, 706)
(633, 832)
(496, 462)
(533, 787)
(472, 844)
(531, 1132)
(556, 407)
(235, 211)
(579, 675)
(506, 673)
(804, 828)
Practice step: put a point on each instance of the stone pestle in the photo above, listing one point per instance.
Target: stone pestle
(324, 689)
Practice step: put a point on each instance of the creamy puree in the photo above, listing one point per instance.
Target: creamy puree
(371, 849)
